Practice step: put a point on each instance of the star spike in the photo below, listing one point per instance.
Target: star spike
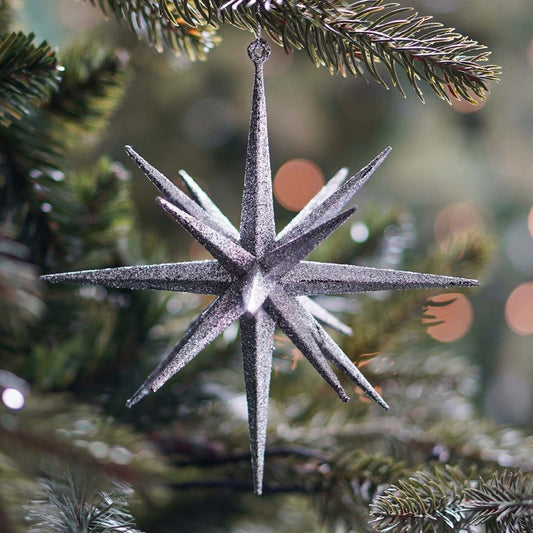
(257, 216)
(283, 309)
(324, 316)
(334, 353)
(283, 258)
(309, 277)
(208, 326)
(257, 344)
(327, 190)
(338, 198)
(169, 191)
(302, 323)
(199, 277)
(229, 253)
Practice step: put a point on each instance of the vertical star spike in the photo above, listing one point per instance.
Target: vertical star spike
(257, 340)
(257, 218)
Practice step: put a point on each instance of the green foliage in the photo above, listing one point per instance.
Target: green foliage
(502, 502)
(369, 37)
(385, 320)
(446, 499)
(86, 217)
(73, 507)
(35, 148)
(91, 90)
(27, 75)
(81, 453)
(426, 502)
(145, 18)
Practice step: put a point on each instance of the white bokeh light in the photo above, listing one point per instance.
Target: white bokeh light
(13, 398)
(359, 232)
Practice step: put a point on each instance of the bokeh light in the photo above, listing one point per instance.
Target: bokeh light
(13, 398)
(464, 106)
(359, 232)
(296, 182)
(519, 309)
(530, 222)
(457, 220)
(456, 318)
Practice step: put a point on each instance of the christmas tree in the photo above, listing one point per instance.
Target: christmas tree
(72, 456)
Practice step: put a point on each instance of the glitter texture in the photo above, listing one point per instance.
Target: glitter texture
(259, 278)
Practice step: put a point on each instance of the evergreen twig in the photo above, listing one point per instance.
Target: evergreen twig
(146, 20)
(368, 37)
(447, 499)
(504, 502)
(27, 74)
(426, 502)
(73, 506)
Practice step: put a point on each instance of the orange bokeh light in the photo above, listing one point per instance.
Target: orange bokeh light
(456, 318)
(455, 221)
(296, 182)
(461, 105)
(519, 309)
(530, 222)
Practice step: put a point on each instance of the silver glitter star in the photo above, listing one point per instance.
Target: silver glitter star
(260, 278)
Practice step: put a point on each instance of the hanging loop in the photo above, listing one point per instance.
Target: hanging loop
(259, 51)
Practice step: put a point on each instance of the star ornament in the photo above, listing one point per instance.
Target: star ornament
(260, 278)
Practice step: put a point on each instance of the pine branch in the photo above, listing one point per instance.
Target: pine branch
(504, 502)
(354, 479)
(93, 86)
(73, 506)
(368, 37)
(34, 149)
(426, 502)
(447, 499)
(377, 38)
(146, 20)
(88, 214)
(27, 75)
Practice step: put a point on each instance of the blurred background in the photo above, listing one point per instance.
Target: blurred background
(453, 169)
